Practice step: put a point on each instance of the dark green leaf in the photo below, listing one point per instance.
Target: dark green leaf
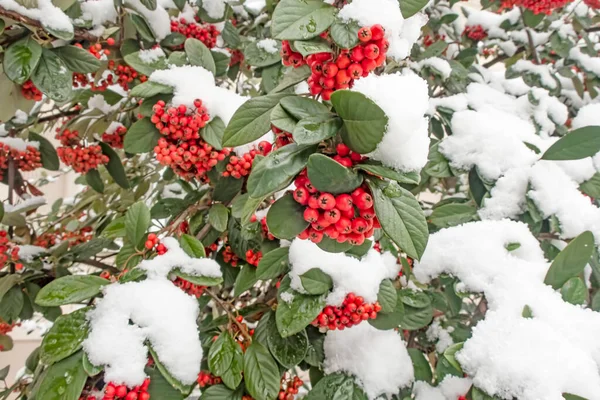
(308, 47)
(336, 387)
(452, 214)
(387, 296)
(53, 77)
(312, 130)
(273, 264)
(149, 89)
(389, 320)
(303, 107)
(78, 59)
(574, 291)
(160, 388)
(220, 392)
(282, 119)
(48, 153)
(293, 316)
(137, 222)
(292, 77)
(245, 279)
(327, 175)
(258, 57)
(12, 305)
(450, 352)
(217, 216)
(21, 58)
(63, 380)
(199, 55)
(571, 261)
(141, 137)
(70, 289)
(142, 28)
(289, 351)
(421, 365)
(225, 359)
(285, 218)
(213, 131)
(345, 35)
(261, 373)
(580, 143)
(315, 281)
(147, 68)
(411, 178)
(231, 36)
(411, 7)
(115, 166)
(192, 246)
(301, 20)
(65, 336)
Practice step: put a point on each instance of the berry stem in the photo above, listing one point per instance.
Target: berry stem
(232, 318)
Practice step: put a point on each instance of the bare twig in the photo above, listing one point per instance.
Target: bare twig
(232, 318)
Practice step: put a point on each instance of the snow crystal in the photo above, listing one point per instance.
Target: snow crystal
(268, 45)
(191, 82)
(378, 359)
(401, 33)
(349, 275)
(98, 11)
(214, 8)
(591, 64)
(287, 297)
(18, 143)
(451, 388)
(543, 71)
(49, 15)
(161, 313)
(176, 257)
(27, 204)
(437, 64)
(405, 101)
(149, 56)
(508, 355)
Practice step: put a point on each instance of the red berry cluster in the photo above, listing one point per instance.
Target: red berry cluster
(211, 249)
(352, 312)
(8, 251)
(288, 388)
(264, 227)
(6, 327)
(82, 80)
(207, 379)
(113, 392)
(329, 73)
(153, 243)
(253, 257)
(207, 33)
(536, 6)
(282, 138)
(428, 40)
(49, 239)
(240, 166)
(347, 157)
(182, 148)
(345, 217)
(237, 57)
(595, 4)
(27, 160)
(30, 91)
(230, 257)
(189, 287)
(475, 32)
(77, 156)
(115, 139)
(125, 74)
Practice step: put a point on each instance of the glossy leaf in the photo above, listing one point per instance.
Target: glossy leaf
(70, 289)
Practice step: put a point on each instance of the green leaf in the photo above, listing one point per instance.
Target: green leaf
(313, 130)
(282, 119)
(12, 304)
(21, 58)
(261, 373)
(199, 55)
(70, 289)
(94, 179)
(63, 380)
(220, 392)
(273, 264)
(301, 19)
(192, 246)
(569, 396)
(4, 372)
(251, 121)
(292, 77)
(160, 387)
(333, 246)
(411, 7)
(421, 365)
(53, 77)
(277, 170)
(115, 166)
(452, 214)
(213, 132)
(78, 59)
(1, 211)
(387, 296)
(245, 279)
(345, 35)
(137, 222)
(532, 20)
(450, 352)
(149, 89)
(142, 27)
(401, 218)
(289, 351)
(416, 318)
(580, 143)
(303, 107)
(90, 369)
(173, 39)
(327, 175)
(231, 36)
(293, 316)
(6, 343)
(364, 122)
(218, 215)
(285, 218)
(571, 261)
(574, 291)
(411, 178)
(198, 279)
(174, 382)
(65, 336)
(141, 137)
(315, 281)
(434, 50)
(47, 152)
(258, 57)
(145, 67)
(308, 47)
(149, 4)
(389, 320)
(336, 387)
(225, 359)
(527, 312)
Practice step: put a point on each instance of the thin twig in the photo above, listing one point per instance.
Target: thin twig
(232, 318)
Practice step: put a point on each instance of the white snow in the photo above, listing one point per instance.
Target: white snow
(543, 71)
(404, 99)
(535, 358)
(591, 64)
(377, 359)
(149, 56)
(349, 275)
(49, 15)
(449, 389)
(158, 19)
(491, 21)
(214, 8)
(28, 252)
(437, 64)
(98, 11)
(191, 82)
(268, 45)
(27, 204)
(18, 143)
(457, 102)
(20, 117)
(437, 333)
(401, 33)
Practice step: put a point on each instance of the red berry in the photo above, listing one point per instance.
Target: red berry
(371, 51)
(342, 149)
(332, 216)
(326, 94)
(364, 201)
(343, 61)
(364, 34)
(326, 201)
(356, 239)
(301, 195)
(316, 68)
(121, 391)
(359, 225)
(144, 396)
(110, 41)
(355, 71)
(313, 201)
(343, 225)
(343, 202)
(368, 65)
(311, 215)
(342, 77)
(357, 54)
(315, 236)
(330, 70)
(377, 32)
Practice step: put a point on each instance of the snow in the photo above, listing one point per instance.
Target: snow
(457, 102)
(507, 196)
(349, 275)
(377, 359)
(587, 115)
(437, 64)
(404, 99)
(149, 56)
(192, 82)
(214, 8)
(98, 11)
(167, 320)
(491, 21)
(449, 389)
(437, 333)
(268, 45)
(401, 33)
(158, 19)
(509, 356)
(20, 117)
(591, 64)
(114, 125)
(543, 71)
(49, 15)
(255, 6)
(18, 143)
(28, 252)
(30, 203)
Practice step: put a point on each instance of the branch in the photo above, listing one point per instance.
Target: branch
(79, 33)
(232, 318)
(502, 58)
